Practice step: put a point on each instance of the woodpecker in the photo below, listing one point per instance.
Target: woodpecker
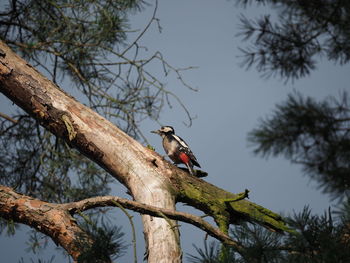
(176, 148)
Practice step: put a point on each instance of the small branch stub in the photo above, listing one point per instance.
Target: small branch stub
(239, 197)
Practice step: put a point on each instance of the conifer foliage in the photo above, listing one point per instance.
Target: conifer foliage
(314, 134)
(289, 45)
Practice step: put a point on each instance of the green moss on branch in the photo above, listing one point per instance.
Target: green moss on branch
(226, 208)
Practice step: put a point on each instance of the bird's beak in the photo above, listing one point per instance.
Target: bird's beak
(156, 132)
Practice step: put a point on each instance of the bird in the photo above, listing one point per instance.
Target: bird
(176, 148)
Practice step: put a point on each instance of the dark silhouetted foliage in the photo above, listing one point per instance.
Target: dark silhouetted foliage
(319, 239)
(303, 31)
(305, 131)
(313, 134)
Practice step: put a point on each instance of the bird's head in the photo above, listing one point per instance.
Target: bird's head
(164, 130)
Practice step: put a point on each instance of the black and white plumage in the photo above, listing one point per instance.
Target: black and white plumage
(176, 148)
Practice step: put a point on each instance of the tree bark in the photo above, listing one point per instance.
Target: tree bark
(150, 179)
(56, 220)
(47, 218)
(123, 157)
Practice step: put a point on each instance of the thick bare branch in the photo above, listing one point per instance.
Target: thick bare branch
(149, 178)
(153, 211)
(123, 157)
(54, 219)
(47, 218)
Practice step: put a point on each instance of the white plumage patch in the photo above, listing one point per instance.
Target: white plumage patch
(167, 129)
(182, 143)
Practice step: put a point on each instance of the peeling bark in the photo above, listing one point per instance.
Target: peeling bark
(123, 157)
(150, 179)
(45, 217)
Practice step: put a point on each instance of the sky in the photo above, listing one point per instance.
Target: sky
(229, 103)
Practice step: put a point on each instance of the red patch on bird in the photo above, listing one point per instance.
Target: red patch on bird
(184, 158)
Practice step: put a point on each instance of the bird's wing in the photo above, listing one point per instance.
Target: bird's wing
(185, 148)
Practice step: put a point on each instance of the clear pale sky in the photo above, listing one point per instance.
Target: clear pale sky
(228, 105)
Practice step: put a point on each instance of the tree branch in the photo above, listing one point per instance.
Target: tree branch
(47, 218)
(5, 116)
(98, 139)
(34, 212)
(152, 211)
(149, 178)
